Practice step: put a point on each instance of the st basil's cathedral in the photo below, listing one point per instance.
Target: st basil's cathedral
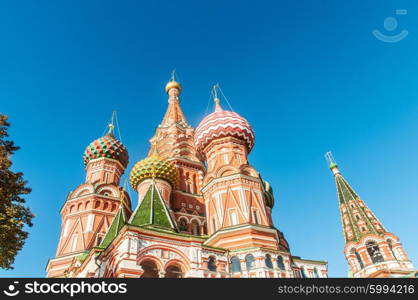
(202, 212)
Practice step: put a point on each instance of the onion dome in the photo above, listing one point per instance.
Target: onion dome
(153, 166)
(172, 84)
(223, 123)
(268, 194)
(107, 147)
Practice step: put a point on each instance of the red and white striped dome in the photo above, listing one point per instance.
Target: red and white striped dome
(223, 123)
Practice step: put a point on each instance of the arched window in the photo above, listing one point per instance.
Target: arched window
(195, 228)
(302, 272)
(391, 248)
(99, 239)
(150, 269)
(360, 262)
(183, 225)
(235, 265)
(173, 271)
(374, 252)
(249, 262)
(255, 216)
(280, 263)
(269, 263)
(315, 270)
(212, 264)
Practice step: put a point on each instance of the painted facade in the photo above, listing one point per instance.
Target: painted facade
(203, 210)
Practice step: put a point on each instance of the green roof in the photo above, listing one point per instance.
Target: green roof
(152, 211)
(346, 195)
(115, 227)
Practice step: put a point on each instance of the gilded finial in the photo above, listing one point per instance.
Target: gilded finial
(112, 123)
(215, 97)
(173, 83)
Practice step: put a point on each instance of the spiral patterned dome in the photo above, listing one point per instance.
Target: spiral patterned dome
(223, 123)
(107, 147)
(153, 166)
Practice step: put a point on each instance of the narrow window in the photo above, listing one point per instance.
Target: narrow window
(213, 224)
(249, 262)
(255, 215)
(90, 221)
(269, 263)
(99, 239)
(233, 215)
(359, 260)
(67, 225)
(74, 242)
(212, 264)
(280, 263)
(235, 265)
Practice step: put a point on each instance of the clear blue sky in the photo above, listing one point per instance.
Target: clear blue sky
(308, 75)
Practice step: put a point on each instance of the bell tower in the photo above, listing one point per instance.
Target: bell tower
(371, 250)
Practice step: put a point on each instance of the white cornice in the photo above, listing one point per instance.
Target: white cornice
(229, 177)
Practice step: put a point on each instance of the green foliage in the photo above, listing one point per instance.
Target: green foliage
(13, 214)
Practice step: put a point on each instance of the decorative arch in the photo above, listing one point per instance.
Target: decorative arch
(197, 220)
(184, 258)
(175, 263)
(152, 258)
(227, 170)
(208, 178)
(248, 170)
(102, 190)
(183, 223)
(82, 191)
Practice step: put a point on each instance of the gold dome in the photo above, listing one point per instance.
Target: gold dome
(172, 84)
(153, 166)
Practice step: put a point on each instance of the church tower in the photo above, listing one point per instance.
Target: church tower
(238, 203)
(173, 140)
(370, 249)
(89, 210)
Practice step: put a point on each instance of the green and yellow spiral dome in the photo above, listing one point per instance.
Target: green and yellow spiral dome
(153, 166)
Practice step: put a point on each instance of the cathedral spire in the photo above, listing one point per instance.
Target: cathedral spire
(215, 97)
(368, 245)
(358, 219)
(174, 114)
